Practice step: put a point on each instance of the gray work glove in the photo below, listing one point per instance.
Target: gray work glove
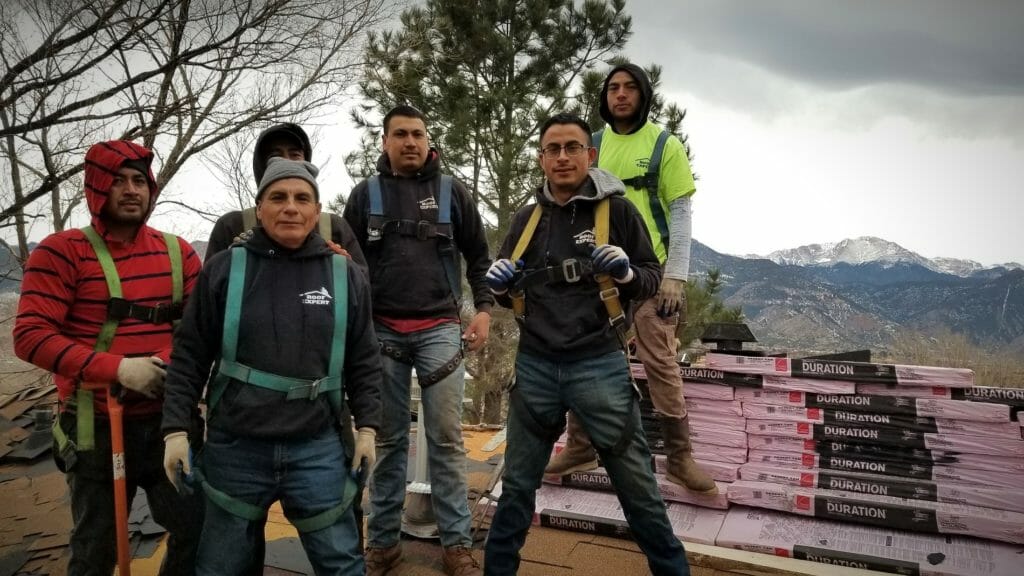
(672, 297)
(143, 375)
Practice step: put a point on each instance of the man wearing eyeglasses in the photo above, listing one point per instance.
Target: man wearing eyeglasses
(653, 165)
(585, 244)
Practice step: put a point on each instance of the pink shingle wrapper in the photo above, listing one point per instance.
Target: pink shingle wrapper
(866, 547)
(886, 511)
(838, 370)
(882, 404)
(974, 495)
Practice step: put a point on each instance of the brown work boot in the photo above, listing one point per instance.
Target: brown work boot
(458, 561)
(578, 454)
(380, 561)
(682, 469)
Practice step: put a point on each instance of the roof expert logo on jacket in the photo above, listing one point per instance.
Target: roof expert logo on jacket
(319, 297)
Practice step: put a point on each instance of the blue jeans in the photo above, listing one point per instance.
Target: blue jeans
(598, 390)
(306, 475)
(441, 415)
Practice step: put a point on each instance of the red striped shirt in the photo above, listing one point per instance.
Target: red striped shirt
(64, 303)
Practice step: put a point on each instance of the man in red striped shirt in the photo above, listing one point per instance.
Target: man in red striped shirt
(66, 317)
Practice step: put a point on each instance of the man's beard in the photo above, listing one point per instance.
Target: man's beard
(113, 217)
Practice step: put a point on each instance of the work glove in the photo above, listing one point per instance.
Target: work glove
(671, 297)
(365, 448)
(613, 261)
(175, 455)
(500, 274)
(143, 375)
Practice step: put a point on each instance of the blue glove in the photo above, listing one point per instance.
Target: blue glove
(613, 261)
(500, 274)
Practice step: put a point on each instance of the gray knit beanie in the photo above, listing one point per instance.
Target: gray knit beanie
(281, 168)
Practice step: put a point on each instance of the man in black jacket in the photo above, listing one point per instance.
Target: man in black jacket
(288, 141)
(279, 141)
(570, 356)
(413, 223)
(288, 323)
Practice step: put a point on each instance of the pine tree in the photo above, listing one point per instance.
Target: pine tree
(486, 73)
(704, 306)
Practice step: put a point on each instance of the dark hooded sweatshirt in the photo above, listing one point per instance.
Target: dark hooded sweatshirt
(64, 294)
(230, 225)
(281, 332)
(646, 97)
(569, 322)
(407, 274)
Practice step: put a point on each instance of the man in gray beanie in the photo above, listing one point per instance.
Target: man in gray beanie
(287, 322)
(288, 141)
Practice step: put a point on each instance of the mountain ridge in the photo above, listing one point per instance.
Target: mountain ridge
(868, 249)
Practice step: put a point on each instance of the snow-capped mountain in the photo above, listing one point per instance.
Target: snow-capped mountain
(870, 249)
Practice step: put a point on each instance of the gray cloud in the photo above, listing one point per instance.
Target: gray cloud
(972, 48)
(955, 66)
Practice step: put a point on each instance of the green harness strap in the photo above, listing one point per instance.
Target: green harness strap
(295, 388)
(85, 417)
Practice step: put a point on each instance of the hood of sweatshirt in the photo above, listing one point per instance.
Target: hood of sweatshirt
(600, 184)
(102, 162)
(646, 95)
(293, 132)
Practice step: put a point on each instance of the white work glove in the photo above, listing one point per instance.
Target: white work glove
(143, 375)
(613, 261)
(175, 454)
(366, 441)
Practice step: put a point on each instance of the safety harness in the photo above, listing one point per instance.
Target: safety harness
(323, 227)
(293, 388)
(647, 181)
(572, 270)
(423, 229)
(117, 309)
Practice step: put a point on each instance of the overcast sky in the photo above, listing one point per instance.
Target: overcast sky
(818, 120)
(814, 121)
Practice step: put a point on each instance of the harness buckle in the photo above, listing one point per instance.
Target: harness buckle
(572, 271)
(314, 388)
(118, 308)
(424, 230)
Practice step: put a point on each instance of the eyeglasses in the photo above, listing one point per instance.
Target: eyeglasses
(552, 151)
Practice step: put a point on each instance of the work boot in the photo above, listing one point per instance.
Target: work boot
(682, 469)
(578, 454)
(458, 561)
(380, 561)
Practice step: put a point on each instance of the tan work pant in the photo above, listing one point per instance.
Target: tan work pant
(656, 349)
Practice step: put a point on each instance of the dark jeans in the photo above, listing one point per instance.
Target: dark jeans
(90, 479)
(598, 390)
(305, 475)
(348, 439)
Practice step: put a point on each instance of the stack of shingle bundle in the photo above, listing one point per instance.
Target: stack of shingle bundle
(923, 463)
